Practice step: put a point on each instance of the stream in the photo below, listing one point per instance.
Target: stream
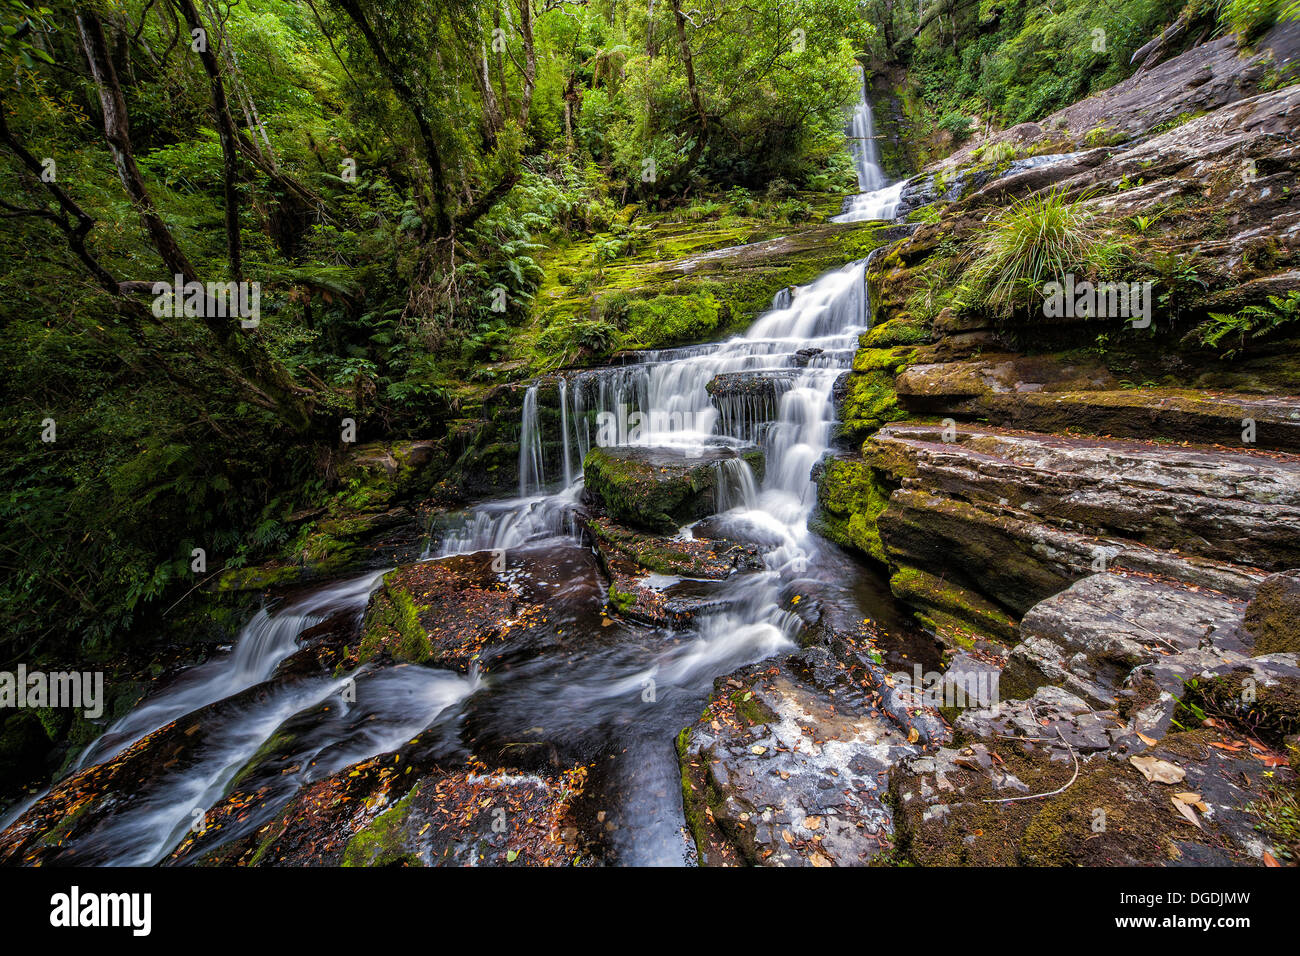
(588, 696)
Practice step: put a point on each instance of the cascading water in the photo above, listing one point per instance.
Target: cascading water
(876, 198)
(772, 387)
(532, 473)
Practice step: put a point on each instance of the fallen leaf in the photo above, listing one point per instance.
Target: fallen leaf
(1188, 813)
(1157, 770)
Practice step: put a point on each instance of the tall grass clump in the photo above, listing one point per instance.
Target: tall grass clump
(1038, 239)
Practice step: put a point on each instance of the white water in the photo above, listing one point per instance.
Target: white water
(383, 710)
(797, 350)
(876, 198)
(264, 642)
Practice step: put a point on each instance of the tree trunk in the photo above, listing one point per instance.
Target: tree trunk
(689, 63)
(226, 132)
(118, 132)
(491, 109)
(530, 61)
(442, 200)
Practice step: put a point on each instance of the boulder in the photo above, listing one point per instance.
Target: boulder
(660, 489)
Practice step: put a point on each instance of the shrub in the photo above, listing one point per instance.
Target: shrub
(1041, 237)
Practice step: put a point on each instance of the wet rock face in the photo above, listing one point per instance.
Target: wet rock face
(1091, 636)
(789, 768)
(660, 489)
(1273, 615)
(1228, 506)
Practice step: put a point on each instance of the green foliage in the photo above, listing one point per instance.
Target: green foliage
(1248, 325)
(1017, 60)
(957, 124)
(1252, 18)
(995, 153)
(1038, 239)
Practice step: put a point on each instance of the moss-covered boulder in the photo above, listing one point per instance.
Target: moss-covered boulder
(958, 614)
(850, 497)
(661, 489)
(1273, 615)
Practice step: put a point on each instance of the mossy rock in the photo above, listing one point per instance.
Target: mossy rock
(658, 489)
(1273, 615)
(393, 625)
(950, 606)
(384, 840)
(850, 497)
(902, 330)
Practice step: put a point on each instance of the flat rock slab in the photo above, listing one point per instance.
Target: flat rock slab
(1043, 393)
(783, 770)
(1091, 636)
(1241, 507)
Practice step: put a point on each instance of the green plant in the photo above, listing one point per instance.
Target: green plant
(1249, 324)
(996, 153)
(1251, 18)
(1040, 238)
(957, 124)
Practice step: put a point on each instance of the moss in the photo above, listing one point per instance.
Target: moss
(693, 802)
(621, 600)
(675, 319)
(1060, 830)
(897, 331)
(750, 709)
(950, 607)
(382, 842)
(1273, 615)
(1270, 712)
(393, 624)
(658, 493)
(258, 578)
(851, 497)
(870, 402)
(645, 298)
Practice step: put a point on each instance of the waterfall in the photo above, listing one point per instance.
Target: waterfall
(532, 474)
(735, 485)
(794, 353)
(564, 431)
(263, 643)
(876, 198)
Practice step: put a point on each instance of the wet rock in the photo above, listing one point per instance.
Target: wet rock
(770, 383)
(1043, 394)
(781, 772)
(475, 818)
(1090, 637)
(646, 571)
(1052, 720)
(660, 489)
(1273, 615)
(804, 356)
(465, 610)
(1228, 506)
